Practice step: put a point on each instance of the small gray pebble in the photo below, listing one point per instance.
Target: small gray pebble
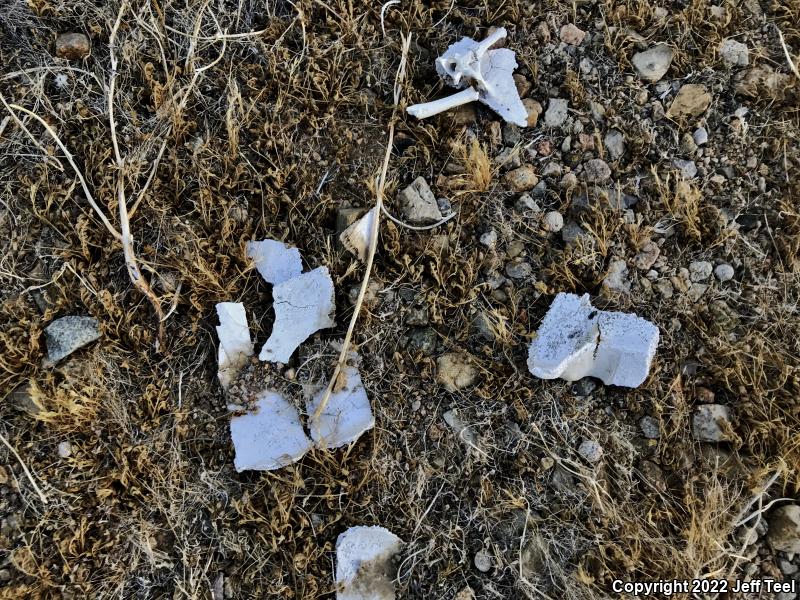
(724, 272)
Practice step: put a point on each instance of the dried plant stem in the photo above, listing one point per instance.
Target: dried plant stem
(373, 241)
(126, 237)
(11, 449)
(397, 221)
(184, 93)
(70, 159)
(789, 60)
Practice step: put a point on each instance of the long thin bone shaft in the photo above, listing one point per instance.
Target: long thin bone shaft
(497, 35)
(428, 109)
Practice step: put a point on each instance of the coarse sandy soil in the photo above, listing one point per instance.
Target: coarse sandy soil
(248, 120)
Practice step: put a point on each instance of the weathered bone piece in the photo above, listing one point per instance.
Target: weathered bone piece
(303, 305)
(272, 436)
(576, 340)
(364, 563)
(235, 345)
(276, 261)
(269, 438)
(346, 415)
(356, 238)
(468, 63)
(428, 109)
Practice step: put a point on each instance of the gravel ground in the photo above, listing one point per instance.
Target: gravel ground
(658, 174)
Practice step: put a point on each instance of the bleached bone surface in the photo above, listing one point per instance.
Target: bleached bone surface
(303, 305)
(466, 63)
(276, 261)
(235, 346)
(346, 415)
(428, 109)
(502, 96)
(270, 438)
(364, 566)
(356, 238)
(576, 340)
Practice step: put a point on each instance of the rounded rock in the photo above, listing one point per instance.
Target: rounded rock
(64, 449)
(596, 170)
(724, 272)
(534, 110)
(700, 270)
(571, 34)
(569, 181)
(590, 450)
(700, 136)
(72, 46)
(652, 64)
(553, 221)
(784, 529)
(522, 179)
(483, 561)
(650, 427)
(489, 239)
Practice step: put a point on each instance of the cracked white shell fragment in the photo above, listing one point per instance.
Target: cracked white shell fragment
(467, 63)
(235, 345)
(576, 340)
(364, 563)
(276, 261)
(269, 438)
(356, 238)
(303, 305)
(346, 416)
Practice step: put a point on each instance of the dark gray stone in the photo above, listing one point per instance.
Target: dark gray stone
(65, 335)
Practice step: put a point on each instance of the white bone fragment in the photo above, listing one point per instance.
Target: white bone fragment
(356, 238)
(364, 563)
(576, 340)
(346, 415)
(502, 96)
(276, 261)
(467, 63)
(235, 345)
(466, 60)
(428, 109)
(303, 305)
(270, 438)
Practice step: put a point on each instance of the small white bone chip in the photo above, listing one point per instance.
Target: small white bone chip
(346, 415)
(467, 63)
(364, 563)
(576, 340)
(356, 238)
(276, 261)
(303, 305)
(235, 346)
(270, 438)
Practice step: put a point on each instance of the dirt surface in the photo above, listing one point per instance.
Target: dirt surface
(252, 120)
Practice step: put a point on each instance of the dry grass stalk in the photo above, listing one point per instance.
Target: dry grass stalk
(126, 238)
(789, 60)
(373, 243)
(27, 472)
